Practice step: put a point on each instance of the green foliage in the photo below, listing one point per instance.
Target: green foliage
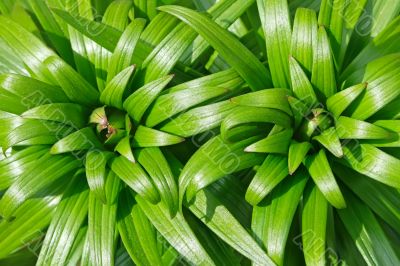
(230, 132)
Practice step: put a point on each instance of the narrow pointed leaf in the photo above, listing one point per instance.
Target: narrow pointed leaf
(236, 54)
(313, 226)
(323, 75)
(338, 102)
(136, 178)
(75, 87)
(321, 173)
(113, 93)
(270, 98)
(83, 139)
(154, 162)
(272, 219)
(349, 128)
(276, 143)
(138, 102)
(330, 140)
(124, 148)
(297, 153)
(301, 86)
(272, 171)
(148, 137)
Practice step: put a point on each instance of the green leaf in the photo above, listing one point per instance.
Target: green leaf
(271, 220)
(170, 104)
(25, 45)
(321, 173)
(385, 205)
(31, 219)
(167, 53)
(212, 161)
(299, 109)
(148, 137)
(339, 102)
(52, 30)
(95, 165)
(272, 171)
(199, 119)
(392, 125)
(18, 163)
(21, 87)
(374, 163)
(365, 231)
(301, 86)
(106, 36)
(314, 221)
(297, 153)
(382, 86)
(138, 102)
(137, 233)
(275, 143)
(176, 231)
(34, 132)
(323, 73)
(136, 178)
(275, 22)
(270, 98)
(83, 139)
(224, 224)
(70, 114)
(70, 214)
(75, 87)
(330, 140)
(124, 148)
(101, 232)
(349, 128)
(154, 162)
(304, 38)
(236, 54)
(44, 172)
(244, 115)
(113, 93)
(123, 53)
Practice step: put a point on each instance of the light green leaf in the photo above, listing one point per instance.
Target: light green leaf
(270, 98)
(138, 102)
(349, 128)
(301, 86)
(148, 137)
(75, 87)
(176, 231)
(321, 173)
(374, 163)
(236, 54)
(245, 115)
(338, 102)
(330, 140)
(275, 22)
(304, 38)
(70, 214)
(95, 165)
(83, 139)
(365, 230)
(124, 148)
(154, 162)
(170, 104)
(271, 220)
(313, 228)
(123, 53)
(136, 178)
(323, 73)
(137, 233)
(44, 172)
(297, 153)
(70, 114)
(113, 93)
(275, 143)
(272, 171)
